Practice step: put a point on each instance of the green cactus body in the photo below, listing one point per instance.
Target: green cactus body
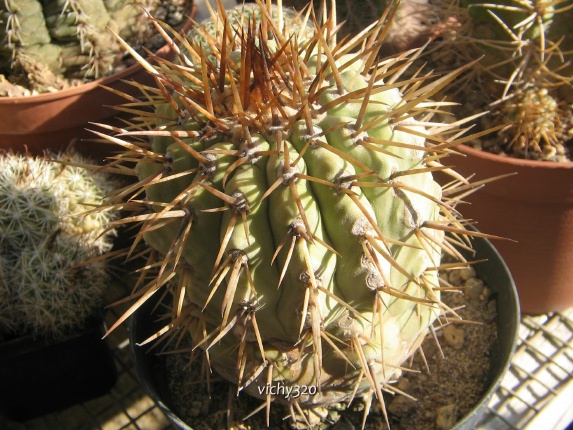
(67, 38)
(529, 20)
(49, 283)
(290, 199)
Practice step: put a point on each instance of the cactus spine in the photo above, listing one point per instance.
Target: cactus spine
(50, 278)
(286, 200)
(410, 25)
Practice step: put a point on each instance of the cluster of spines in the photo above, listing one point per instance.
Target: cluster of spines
(273, 92)
(51, 276)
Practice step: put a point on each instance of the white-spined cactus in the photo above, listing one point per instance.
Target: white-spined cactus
(286, 199)
(51, 278)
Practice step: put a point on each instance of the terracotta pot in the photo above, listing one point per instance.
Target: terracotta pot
(53, 120)
(534, 208)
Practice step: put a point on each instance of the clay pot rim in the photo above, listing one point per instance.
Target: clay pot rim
(69, 92)
(495, 158)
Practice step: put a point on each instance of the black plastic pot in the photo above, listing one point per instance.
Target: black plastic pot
(151, 369)
(40, 376)
(496, 275)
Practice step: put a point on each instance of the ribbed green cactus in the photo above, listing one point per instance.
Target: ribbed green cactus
(286, 200)
(50, 278)
(525, 75)
(50, 40)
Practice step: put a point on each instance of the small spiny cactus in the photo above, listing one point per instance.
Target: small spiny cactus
(285, 199)
(524, 75)
(50, 277)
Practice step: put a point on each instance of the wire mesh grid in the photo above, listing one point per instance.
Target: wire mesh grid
(536, 394)
(537, 391)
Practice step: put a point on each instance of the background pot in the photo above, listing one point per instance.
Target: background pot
(534, 208)
(40, 376)
(53, 120)
(151, 368)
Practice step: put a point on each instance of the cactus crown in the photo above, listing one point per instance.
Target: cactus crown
(50, 278)
(286, 201)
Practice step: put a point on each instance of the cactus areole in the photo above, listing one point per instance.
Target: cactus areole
(285, 196)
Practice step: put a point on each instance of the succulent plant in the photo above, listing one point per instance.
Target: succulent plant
(285, 198)
(57, 39)
(50, 277)
(525, 75)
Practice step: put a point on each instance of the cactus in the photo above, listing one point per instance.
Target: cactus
(57, 39)
(50, 277)
(286, 200)
(525, 75)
